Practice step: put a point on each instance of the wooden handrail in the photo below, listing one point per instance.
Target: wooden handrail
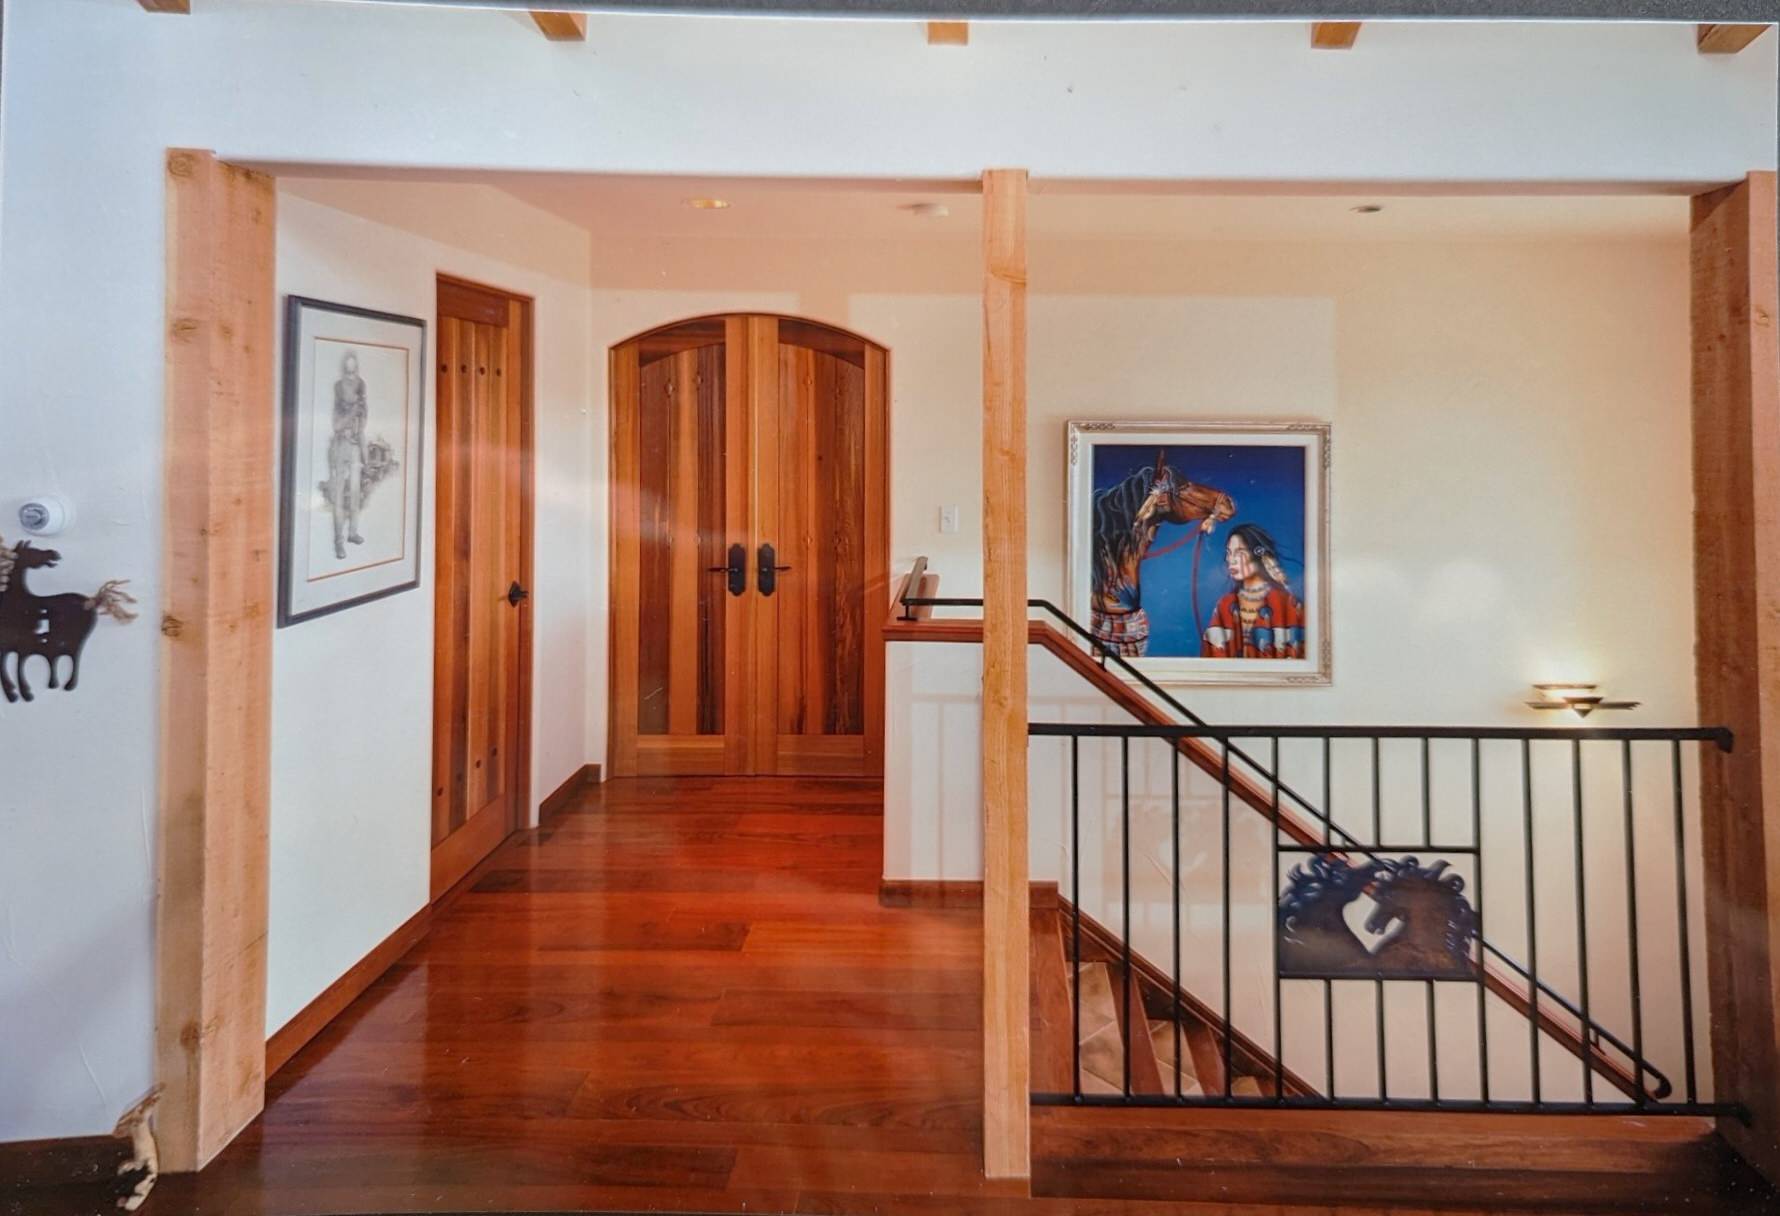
(1566, 1030)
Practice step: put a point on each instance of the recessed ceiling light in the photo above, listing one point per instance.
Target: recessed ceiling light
(708, 204)
(1367, 209)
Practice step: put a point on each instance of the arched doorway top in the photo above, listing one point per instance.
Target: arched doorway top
(707, 330)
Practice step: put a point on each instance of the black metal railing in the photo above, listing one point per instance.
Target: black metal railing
(1427, 930)
(1346, 864)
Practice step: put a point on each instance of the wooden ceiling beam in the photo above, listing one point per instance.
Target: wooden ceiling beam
(1726, 39)
(561, 27)
(1333, 35)
(948, 33)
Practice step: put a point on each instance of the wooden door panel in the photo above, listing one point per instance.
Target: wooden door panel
(679, 495)
(479, 772)
(769, 436)
(811, 507)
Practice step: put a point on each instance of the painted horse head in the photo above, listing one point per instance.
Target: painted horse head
(29, 557)
(1127, 515)
(1429, 921)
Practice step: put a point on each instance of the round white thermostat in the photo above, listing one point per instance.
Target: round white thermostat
(45, 516)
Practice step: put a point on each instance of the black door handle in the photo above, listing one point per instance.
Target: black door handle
(516, 593)
(737, 569)
(766, 576)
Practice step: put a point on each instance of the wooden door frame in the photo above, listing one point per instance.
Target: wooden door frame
(520, 310)
(876, 465)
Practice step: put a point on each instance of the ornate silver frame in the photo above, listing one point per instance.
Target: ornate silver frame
(1317, 670)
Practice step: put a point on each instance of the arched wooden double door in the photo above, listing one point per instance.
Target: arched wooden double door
(750, 549)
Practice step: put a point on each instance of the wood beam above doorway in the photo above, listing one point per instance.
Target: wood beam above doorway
(1007, 1064)
(216, 657)
(1726, 39)
(948, 33)
(1333, 35)
(561, 27)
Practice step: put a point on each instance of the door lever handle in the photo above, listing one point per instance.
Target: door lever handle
(737, 569)
(766, 577)
(516, 593)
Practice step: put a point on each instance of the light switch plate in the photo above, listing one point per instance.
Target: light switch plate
(948, 520)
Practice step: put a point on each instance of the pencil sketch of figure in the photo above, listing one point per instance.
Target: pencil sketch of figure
(355, 464)
(346, 454)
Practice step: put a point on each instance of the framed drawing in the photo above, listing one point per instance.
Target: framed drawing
(349, 482)
(1199, 551)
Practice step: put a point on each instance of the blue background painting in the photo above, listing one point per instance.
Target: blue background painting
(1268, 486)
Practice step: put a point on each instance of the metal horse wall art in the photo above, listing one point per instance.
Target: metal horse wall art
(1421, 923)
(52, 626)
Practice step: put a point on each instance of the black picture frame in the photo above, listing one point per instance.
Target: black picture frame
(296, 307)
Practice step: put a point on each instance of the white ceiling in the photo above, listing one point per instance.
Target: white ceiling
(641, 206)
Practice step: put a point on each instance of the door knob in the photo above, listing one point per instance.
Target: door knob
(766, 577)
(737, 569)
(516, 593)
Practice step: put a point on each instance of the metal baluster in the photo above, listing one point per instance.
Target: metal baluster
(1588, 1069)
(1631, 899)
(1693, 1092)
(1226, 920)
(1075, 900)
(1483, 1026)
(1384, 1092)
(1125, 851)
(1328, 986)
(1174, 764)
(1526, 798)
(1428, 985)
(1279, 1064)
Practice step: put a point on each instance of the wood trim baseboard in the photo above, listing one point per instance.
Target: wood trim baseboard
(950, 893)
(560, 798)
(290, 1038)
(64, 1161)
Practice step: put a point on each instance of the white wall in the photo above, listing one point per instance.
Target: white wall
(1512, 501)
(98, 89)
(352, 691)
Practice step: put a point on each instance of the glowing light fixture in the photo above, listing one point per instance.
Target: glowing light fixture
(1581, 699)
(707, 204)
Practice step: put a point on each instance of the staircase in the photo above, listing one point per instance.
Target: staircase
(1140, 1028)
(1107, 1050)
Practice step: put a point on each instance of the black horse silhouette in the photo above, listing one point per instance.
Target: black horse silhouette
(1422, 924)
(52, 626)
(1427, 921)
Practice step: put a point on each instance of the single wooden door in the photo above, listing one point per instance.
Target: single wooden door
(680, 475)
(750, 550)
(481, 660)
(818, 502)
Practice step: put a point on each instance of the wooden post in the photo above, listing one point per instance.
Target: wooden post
(216, 652)
(1006, 958)
(1736, 476)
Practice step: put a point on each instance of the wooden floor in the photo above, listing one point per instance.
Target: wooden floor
(685, 996)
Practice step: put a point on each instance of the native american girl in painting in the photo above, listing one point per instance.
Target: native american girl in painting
(1259, 618)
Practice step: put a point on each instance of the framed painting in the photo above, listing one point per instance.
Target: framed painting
(1199, 551)
(349, 481)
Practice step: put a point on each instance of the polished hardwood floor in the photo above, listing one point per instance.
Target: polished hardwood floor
(684, 995)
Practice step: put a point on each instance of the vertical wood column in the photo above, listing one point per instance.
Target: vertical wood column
(1736, 471)
(1006, 959)
(217, 575)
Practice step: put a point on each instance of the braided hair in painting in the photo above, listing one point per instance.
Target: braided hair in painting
(1116, 617)
(1116, 542)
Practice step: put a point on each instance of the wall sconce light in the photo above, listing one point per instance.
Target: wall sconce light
(1583, 699)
